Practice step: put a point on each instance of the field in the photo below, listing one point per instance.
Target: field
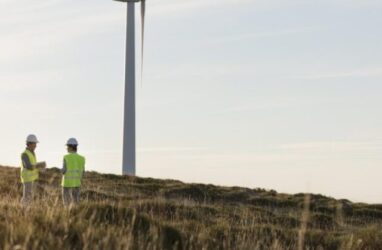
(143, 213)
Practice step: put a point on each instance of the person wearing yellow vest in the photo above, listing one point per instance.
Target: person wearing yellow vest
(29, 169)
(73, 171)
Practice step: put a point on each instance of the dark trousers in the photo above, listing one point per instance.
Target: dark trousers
(70, 195)
(27, 193)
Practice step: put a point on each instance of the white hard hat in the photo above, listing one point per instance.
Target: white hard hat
(32, 138)
(72, 141)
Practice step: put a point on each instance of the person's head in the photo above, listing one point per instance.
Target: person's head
(71, 148)
(71, 145)
(31, 142)
(31, 145)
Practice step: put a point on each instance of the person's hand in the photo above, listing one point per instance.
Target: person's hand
(41, 165)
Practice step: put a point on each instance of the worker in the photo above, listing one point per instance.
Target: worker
(73, 171)
(29, 169)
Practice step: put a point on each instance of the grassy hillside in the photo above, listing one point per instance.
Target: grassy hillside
(142, 213)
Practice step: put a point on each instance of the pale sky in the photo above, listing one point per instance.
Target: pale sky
(277, 94)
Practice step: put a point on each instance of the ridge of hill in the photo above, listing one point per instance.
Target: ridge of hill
(124, 212)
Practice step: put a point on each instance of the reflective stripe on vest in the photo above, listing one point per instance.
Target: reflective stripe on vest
(26, 174)
(75, 166)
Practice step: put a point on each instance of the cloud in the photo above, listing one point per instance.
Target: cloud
(337, 146)
(367, 72)
(269, 104)
(26, 81)
(177, 7)
(266, 34)
(171, 149)
(42, 36)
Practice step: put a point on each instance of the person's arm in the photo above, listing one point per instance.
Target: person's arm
(83, 170)
(26, 162)
(63, 170)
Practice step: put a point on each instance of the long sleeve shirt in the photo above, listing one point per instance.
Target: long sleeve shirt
(26, 162)
(63, 170)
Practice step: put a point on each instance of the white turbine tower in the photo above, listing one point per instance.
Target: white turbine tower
(129, 145)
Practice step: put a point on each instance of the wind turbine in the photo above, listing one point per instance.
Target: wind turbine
(129, 145)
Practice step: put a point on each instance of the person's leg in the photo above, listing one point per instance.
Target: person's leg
(66, 196)
(71, 196)
(76, 194)
(27, 193)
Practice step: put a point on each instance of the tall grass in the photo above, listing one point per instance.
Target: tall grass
(142, 213)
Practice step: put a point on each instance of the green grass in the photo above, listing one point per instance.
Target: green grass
(144, 213)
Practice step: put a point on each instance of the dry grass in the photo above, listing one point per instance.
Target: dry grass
(142, 213)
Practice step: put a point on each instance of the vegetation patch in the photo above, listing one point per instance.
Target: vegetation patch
(121, 212)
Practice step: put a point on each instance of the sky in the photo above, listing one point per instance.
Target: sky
(277, 94)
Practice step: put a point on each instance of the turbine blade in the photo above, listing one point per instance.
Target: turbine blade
(143, 13)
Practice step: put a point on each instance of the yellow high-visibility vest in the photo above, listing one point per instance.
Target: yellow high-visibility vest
(28, 175)
(75, 167)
